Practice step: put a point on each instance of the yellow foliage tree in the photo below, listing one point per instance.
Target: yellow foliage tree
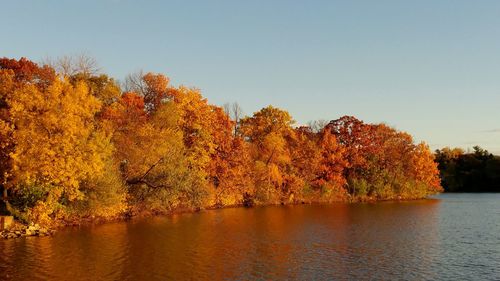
(55, 138)
(425, 169)
(268, 131)
(56, 143)
(196, 122)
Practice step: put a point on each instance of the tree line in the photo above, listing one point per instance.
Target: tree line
(75, 144)
(477, 171)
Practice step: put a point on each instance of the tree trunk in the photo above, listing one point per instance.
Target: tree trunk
(4, 205)
(4, 193)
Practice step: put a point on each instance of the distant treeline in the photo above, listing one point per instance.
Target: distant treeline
(75, 144)
(478, 171)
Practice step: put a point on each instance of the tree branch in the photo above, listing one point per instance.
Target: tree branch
(141, 179)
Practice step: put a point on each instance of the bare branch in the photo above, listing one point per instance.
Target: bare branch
(134, 82)
(234, 111)
(70, 65)
(317, 125)
(142, 179)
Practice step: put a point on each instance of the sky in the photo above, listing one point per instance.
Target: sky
(429, 67)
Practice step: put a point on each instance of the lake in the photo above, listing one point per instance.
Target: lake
(448, 237)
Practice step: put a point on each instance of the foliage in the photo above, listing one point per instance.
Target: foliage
(75, 146)
(478, 171)
(105, 196)
(50, 149)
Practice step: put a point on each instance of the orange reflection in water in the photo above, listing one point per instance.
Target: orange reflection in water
(322, 242)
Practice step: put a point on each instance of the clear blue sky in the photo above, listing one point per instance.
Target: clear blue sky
(431, 68)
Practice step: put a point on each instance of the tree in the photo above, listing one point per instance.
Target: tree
(235, 112)
(332, 162)
(425, 169)
(14, 74)
(267, 131)
(104, 88)
(56, 145)
(230, 165)
(71, 65)
(153, 87)
(196, 121)
(305, 154)
(213, 151)
(26, 71)
(477, 171)
(356, 137)
(150, 153)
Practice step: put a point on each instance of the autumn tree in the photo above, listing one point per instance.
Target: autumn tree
(56, 146)
(153, 87)
(425, 169)
(14, 74)
(356, 137)
(269, 131)
(54, 155)
(332, 162)
(213, 151)
(150, 153)
(305, 154)
(196, 121)
(229, 168)
(102, 87)
(387, 169)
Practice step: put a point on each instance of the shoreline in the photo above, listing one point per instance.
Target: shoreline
(20, 230)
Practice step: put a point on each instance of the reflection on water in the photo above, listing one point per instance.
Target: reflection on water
(451, 237)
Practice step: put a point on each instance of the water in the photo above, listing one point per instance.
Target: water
(450, 237)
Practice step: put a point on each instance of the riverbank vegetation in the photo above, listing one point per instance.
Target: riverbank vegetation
(477, 171)
(77, 145)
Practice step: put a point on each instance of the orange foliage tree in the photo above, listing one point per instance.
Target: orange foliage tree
(269, 132)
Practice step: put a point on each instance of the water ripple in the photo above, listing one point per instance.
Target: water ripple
(453, 238)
